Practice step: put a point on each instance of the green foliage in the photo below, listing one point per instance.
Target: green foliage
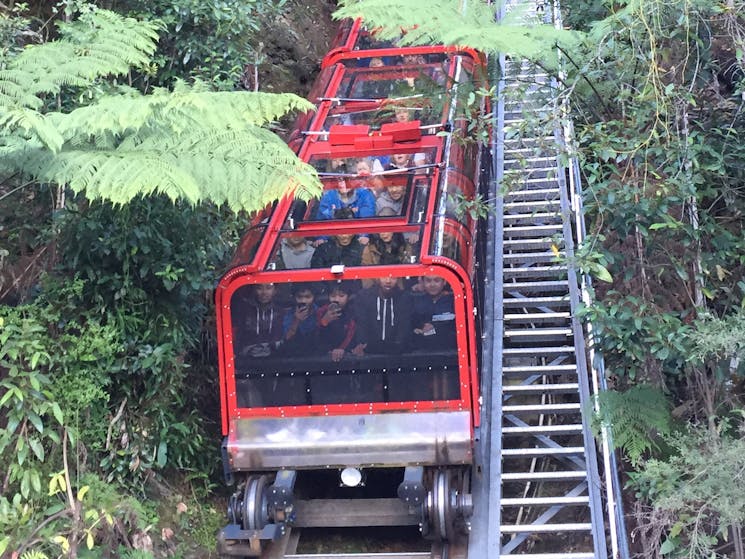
(637, 419)
(191, 144)
(638, 340)
(695, 492)
(27, 405)
(447, 22)
(207, 39)
(99, 44)
(723, 338)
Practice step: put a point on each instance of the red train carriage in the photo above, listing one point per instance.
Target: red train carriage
(347, 337)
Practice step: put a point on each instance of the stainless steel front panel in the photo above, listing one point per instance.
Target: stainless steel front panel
(392, 439)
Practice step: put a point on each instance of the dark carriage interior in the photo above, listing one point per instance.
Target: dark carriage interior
(410, 365)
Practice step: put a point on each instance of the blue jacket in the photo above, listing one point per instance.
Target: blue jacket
(362, 203)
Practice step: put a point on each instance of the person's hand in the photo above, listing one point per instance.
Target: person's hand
(359, 350)
(302, 312)
(318, 242)
(259, 350)
(333, 312)
(427, 330)
(336, 355)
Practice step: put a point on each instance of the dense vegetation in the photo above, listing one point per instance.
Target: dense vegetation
(107, 379)
(110, 137)
(656, 90)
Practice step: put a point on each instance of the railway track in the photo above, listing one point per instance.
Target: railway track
(286, 548)
(528, 468)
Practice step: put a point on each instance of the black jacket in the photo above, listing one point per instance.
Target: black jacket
(384, 324)
(330, 253)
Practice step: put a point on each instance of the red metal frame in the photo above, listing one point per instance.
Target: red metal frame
(464, 317)
(318, 145)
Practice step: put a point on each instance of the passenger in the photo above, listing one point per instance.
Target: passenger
(256, 321)
(391, 198)
(402, 114)
(434, 316)
(390, 245)
(399, 162)
(383, 314)
(300, 323)
(341, 249)
(335, 322)
(376, 187)
(336, 165)
(294, 253)
(368, 166)
(417, 60)
(371, 88)
(360, 200)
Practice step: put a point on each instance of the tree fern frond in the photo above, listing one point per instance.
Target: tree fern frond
(246, 170)
(33, 124)
(181, 111)
(446, 22)
(191, 144)
(100, 43)
(636, 418)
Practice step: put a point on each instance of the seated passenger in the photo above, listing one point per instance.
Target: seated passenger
(341, 249)
(399, 162)
(294, 253)
(368, 166)
(257, 322)
(403, 114)
(336, 165)
(371, 88)
(336, 326)
(434, 316)
(376, 187)
(383, 314)
(360, 200)
(300, 323)
(392, 197)
(386, 248)
(404, 161)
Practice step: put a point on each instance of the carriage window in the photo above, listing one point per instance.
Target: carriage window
(375, 186)
(454, 196)
(375, 114)
(342, 342)
(252, 237)
(445, 242)
(295, 251)
(394, 77)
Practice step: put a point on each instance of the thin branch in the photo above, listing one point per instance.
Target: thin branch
(16, 189)
(606, 108)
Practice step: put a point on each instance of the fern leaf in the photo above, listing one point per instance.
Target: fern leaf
(33, 124)
(100, 43)
(636, 418)
(447, 22)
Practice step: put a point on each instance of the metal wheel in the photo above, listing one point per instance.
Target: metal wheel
(448, 503)
(254, 509)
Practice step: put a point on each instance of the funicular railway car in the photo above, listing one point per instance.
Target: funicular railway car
(347, 329)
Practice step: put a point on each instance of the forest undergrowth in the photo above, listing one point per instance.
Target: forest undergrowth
(109, 411)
